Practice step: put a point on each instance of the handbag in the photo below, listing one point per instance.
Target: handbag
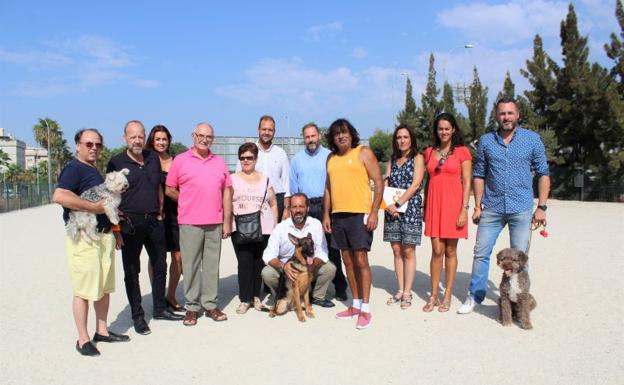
(248, 226)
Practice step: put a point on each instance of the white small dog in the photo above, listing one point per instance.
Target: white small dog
(83, 224)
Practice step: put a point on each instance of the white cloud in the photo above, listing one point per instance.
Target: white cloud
(359, 53)
(146, 83)
(74, 65)
(317, 31)
(506, 23)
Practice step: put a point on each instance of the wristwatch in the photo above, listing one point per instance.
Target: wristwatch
(542, 207)
(397, 204)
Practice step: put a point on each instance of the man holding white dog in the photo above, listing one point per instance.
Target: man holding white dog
(280, 249)
(505, 163)
(91, 265)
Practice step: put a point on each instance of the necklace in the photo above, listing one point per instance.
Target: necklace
(444, 154)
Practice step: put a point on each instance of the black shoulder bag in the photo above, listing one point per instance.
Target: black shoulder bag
(248, 227)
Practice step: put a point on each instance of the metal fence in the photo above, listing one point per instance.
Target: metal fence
(17, 196)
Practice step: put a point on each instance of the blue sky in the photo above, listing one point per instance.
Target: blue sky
(99, 64)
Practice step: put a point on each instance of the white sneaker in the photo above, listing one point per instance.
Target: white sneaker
(468, 305)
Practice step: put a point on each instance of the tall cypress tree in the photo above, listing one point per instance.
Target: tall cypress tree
(508, 91)
(447, 104)
(430, 107)
(407, 115)
(477, 106)
(615, 50)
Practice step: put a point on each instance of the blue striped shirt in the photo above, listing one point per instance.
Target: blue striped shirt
(508, 169)
(308, 172)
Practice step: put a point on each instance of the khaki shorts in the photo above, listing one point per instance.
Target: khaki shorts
(92, 266)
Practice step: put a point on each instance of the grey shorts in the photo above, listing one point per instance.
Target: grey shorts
(349, 232)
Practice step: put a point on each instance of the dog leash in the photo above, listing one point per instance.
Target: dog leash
(534, 226)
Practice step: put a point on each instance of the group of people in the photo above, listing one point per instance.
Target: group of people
(188, 204)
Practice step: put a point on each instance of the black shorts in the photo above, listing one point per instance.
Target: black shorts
(349, 232)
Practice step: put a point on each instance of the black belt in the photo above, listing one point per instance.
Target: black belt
(142, 215)
(315, 201)
(104, 230)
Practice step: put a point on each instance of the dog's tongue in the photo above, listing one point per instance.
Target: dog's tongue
(508, 273)
(309, 260)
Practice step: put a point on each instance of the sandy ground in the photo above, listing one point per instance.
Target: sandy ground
(577, 338)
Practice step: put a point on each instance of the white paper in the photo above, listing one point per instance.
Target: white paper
(392, 194)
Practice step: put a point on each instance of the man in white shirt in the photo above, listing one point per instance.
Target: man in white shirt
(273, 162)
(280, 249)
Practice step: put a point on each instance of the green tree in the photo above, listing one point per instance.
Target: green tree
(381, 145)
(58, 149)
(4, 159)
(615, 50)
(408, 116)
(447, 104)
(590, 114)
(106, 155)
(508, 91)
(536, 112)
(177, 148)
(477, 106)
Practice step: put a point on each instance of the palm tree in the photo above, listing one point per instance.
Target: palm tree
(4, 159)
(58, 151)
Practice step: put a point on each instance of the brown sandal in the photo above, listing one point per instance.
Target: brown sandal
(444, 306)
(433, 302)
(216, 315)
(190, 318)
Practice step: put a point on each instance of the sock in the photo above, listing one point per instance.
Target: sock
(357, 303)
(365, 307)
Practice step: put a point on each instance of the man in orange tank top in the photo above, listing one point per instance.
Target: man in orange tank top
(350, 214)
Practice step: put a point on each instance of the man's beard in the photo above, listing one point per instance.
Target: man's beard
(299, 219)
(136, 150)
(513, 126)
(312, 147)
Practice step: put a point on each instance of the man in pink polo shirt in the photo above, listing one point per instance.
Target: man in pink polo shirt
(200, 182)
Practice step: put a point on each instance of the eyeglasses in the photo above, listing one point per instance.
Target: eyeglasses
(246, 158)
(98, 146)
(201, 137)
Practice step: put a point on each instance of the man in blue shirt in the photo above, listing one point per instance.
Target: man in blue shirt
(308, 170)
(505, 163)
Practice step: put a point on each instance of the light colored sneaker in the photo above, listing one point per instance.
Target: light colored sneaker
(364, 320)
(468, 305)
(243, 307)
(348, 314)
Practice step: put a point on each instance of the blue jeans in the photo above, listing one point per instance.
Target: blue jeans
(490, 226)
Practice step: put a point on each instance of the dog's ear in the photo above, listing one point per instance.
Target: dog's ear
(309, 236)
(499, 256)
(293, 239)
(523, 258)
(125, 171)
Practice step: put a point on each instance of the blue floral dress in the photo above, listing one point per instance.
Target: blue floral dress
(406, 229)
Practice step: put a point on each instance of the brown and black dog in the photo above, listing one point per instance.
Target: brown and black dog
(515, 299)
(290, 293)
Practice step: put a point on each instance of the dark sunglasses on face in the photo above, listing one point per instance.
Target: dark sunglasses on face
(91, 144)
(440, 164)
(244, 158)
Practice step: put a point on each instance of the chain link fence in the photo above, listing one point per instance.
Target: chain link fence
(17, 196)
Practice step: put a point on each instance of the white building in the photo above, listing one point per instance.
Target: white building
(34, 156)
(14, 148)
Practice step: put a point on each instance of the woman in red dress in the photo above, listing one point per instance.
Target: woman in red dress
(449, 165)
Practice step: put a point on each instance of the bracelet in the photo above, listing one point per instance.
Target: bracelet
(466, 207)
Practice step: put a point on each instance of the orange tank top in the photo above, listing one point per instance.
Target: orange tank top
(349, 183)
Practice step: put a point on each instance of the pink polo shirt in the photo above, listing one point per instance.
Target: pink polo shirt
(201, 183)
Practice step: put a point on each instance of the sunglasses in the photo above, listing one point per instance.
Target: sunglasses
(91, 144)
(440, 164)
(246, 158)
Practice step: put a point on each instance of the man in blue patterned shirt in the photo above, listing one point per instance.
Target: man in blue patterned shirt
(505, 164)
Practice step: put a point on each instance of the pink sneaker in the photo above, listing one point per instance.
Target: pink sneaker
(348, 314)
(364, 320)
